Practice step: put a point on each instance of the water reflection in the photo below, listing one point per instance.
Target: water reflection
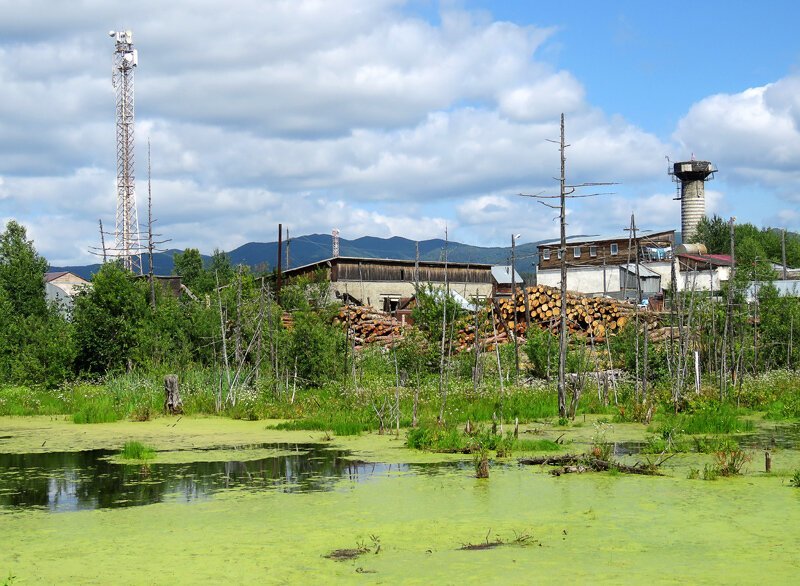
(74, 481)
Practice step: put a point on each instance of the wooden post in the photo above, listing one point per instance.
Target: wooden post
(767, 462)
(172, 398)
(280, 269)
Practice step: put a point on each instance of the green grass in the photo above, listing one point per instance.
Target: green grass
(714, 418)
(438, 439)
(134, 450)
(339, 427)
(98, 411)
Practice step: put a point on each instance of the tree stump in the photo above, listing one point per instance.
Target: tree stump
(172, 398)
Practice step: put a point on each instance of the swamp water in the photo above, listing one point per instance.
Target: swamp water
(93, 479)
(582, 528)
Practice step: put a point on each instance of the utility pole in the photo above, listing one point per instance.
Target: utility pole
(566, 191)
(150, 246)
(288, 242)
(102, 241)
(416, 268)
(514, 302)
(728, 332)
(280, 269)
(783, 253)
(442, 386)
(562, 340)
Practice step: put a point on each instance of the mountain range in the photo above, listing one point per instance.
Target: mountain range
(305, 250)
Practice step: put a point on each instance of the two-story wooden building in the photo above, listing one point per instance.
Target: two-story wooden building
(606, 264)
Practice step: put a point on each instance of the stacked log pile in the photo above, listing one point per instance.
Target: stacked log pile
(369, 326)
(586, 316)
(596, 316)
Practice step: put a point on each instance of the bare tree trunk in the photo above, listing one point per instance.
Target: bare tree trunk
(497, 352)
(172, 397)
(222, 332)
(477, 349)
(442, 388)
(237, 330)
(562, 340)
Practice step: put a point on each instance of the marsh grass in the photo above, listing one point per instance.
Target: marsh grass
(134, 450)
(340, 426)
(100, 410)
(715, 418)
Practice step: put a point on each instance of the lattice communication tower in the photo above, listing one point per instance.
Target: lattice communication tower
(127, 240)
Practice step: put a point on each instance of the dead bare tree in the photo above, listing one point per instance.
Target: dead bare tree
(566, 192)
(445, 300)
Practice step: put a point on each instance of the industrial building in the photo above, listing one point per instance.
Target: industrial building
(383, 283)
(606, 265)
(62, 286)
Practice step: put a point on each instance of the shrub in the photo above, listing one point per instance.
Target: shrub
(730, 462)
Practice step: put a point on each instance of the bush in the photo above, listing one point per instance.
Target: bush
(317, 349)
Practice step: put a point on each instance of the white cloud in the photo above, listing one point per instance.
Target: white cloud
(752, 136)
(355, 114)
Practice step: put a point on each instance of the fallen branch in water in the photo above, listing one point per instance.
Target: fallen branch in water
(578, 463)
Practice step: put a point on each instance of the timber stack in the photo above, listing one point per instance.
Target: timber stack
(369, 326)
(587, 316)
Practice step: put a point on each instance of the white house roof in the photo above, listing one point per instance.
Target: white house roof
(502, 275)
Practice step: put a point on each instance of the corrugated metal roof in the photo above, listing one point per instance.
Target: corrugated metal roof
(392, 261)
(502, 275)
(644, 272)
(723, 260)
(593, 238)
(54, 275)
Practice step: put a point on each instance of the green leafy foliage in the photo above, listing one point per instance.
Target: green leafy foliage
(22, 272)
(107, 319)
(429, 311)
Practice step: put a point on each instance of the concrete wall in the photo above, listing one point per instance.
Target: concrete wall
(373, 293)
(583, 279)
(703, 280)
(590, 279)
(55, 294)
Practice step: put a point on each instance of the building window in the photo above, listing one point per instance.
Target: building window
(614, 249)
(593, 251)
(391, 302)
(576, 251)
(546, 254)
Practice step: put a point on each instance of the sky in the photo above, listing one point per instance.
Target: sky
(395, 118)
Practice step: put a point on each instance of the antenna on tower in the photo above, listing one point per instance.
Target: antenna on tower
(335, 235)
(127, 244)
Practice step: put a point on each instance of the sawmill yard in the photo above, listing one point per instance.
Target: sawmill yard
(437, 440)
(429, 445)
